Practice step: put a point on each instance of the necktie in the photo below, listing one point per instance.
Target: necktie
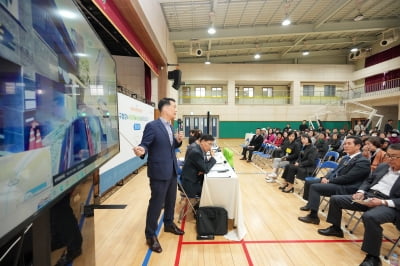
(335, 173)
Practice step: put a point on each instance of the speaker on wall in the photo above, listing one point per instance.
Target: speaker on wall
(175, 75)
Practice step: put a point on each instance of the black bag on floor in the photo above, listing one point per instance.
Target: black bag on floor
(211, 221)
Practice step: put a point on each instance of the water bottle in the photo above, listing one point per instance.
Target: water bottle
(394, 260)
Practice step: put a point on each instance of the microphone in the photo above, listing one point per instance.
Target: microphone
(180, 125)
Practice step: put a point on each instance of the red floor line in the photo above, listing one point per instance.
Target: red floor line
(270, 241)
(246, 252)
(180, 241)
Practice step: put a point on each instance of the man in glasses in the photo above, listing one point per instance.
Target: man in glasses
(379, 198)
(197, 163)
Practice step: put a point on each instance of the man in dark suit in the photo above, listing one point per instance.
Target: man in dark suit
(345, 179)
(159, 143)
(254, 145)
(196, 165)
(379, 198)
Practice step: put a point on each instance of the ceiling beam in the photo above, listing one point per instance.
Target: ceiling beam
(263, 31)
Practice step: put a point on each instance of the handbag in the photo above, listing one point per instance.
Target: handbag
(211, 221)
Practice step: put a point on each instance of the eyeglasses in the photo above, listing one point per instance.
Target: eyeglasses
(390, 156)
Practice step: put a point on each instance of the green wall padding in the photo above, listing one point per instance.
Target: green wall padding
(237, 129)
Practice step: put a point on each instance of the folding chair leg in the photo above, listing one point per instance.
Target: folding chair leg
(395, 244)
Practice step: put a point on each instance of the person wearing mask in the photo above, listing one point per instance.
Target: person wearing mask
(159, 143)
(304, 165)
(378, 198)
(345, 179)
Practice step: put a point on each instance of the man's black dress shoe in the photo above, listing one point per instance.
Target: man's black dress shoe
(310, 220)
(331, 231)
(371, 261)
(153, 244)
(304, 208)
(67, 257)
(172, 228)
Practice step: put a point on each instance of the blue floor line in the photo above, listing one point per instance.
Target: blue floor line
(149, 251)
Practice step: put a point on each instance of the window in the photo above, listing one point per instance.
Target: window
(308, 90)
(267, 92)
(248, 92)
(216, 92)
(200, 92)
(236, 92)
(330, 90)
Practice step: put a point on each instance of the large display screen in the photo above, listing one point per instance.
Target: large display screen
(58, 105)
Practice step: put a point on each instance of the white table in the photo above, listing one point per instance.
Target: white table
(221, 189)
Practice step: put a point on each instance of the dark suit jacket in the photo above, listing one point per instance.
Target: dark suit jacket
(394, 194)
(256, 141)
(161, 161)
(195, 163)
(351, 175)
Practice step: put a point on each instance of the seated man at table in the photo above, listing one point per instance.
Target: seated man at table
(382, 191)
(196, 165)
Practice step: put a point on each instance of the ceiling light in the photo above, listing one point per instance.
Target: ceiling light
(257, 56)
(354, 50)
(306, 53)
(211, 30)
(358, 17)
(286, 22)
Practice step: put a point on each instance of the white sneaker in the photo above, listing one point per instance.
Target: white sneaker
(272, 175)
(272, 180)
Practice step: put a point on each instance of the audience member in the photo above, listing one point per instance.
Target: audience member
(194, 134)
(254, 145)
(372, 151)
(321, 145)
(334, 142)
(279, 139)
(385, 144)
(304, 165)
(379, 198)
(303, 126)
(284, 155)
(394, 137)
(196, 165)
(345, 179)
(358, 128)
(388, 126)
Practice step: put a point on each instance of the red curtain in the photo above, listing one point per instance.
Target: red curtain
(147, 83)
(385, 80)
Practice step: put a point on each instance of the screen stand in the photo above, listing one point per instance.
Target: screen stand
(42, 239)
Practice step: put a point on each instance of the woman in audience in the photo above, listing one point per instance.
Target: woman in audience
(373, 152)
(303, 167)
(279, 139)
(334, 142)
(284, 155)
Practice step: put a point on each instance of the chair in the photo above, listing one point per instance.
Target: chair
(353, 215)
(322, 169)
(313, 175)
(395, 244)
(228, 154)
(331, 155)
(187, 200)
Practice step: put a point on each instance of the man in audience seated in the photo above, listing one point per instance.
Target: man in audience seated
(196, 165)
(254, 145)
(379, 198)
(345, 179)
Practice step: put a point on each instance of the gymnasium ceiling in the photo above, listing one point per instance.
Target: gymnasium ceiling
(327, 29)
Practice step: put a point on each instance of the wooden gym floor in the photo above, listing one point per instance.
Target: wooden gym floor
(274, 235)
